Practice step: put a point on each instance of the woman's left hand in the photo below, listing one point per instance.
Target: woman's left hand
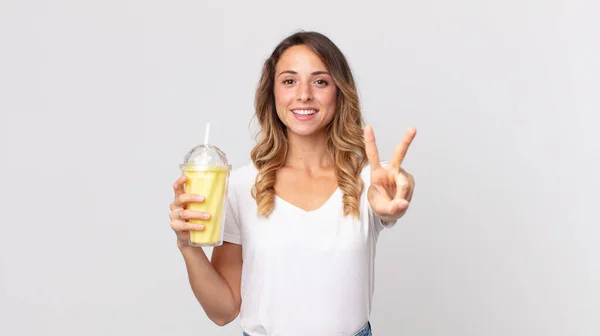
(391, 188)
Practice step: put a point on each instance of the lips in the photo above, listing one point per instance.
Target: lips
(304, 111)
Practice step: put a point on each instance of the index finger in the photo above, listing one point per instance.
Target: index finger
(402, 148)
(178, 186)
(371, 148)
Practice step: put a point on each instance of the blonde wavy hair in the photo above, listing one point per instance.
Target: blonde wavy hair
(345, 132)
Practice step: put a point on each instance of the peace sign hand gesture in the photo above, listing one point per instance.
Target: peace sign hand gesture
(391, 186)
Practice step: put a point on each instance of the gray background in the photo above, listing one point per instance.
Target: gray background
(100, 101)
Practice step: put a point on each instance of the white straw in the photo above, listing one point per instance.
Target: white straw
(206, 133)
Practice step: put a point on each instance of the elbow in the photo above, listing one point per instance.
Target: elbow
(222, 321)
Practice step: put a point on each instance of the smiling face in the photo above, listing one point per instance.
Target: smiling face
(305, 95)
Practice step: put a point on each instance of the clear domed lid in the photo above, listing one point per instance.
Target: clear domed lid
(205, 155)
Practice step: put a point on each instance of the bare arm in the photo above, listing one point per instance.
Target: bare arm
(216, 283)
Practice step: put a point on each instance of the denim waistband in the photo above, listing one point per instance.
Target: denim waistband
(365, 331)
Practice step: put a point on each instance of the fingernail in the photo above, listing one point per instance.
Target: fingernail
(200, 198)
(205, 216)
(199, 227)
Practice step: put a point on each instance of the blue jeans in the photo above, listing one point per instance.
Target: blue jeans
(365, 331)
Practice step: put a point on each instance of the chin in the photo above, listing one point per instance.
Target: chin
(304, 130)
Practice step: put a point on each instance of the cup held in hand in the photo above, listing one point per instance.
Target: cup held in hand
(207, 172)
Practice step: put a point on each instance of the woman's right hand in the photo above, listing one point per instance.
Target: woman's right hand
(179, 214)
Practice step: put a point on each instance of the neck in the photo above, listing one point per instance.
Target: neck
(308, 152)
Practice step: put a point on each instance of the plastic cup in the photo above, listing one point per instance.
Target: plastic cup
(207, 173)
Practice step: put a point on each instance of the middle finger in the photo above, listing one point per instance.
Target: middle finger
(189, 214)
(402, 148)
(183, 199)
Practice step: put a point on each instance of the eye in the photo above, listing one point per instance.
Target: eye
(322, 82)
(288, 81)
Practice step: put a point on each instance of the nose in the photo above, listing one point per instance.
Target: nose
(304, 92)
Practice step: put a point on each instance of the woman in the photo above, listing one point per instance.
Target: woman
(304, 216)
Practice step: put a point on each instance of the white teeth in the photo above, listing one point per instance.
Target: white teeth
(305, 112)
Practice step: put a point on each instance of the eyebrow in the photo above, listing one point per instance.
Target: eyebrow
(295, 73)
